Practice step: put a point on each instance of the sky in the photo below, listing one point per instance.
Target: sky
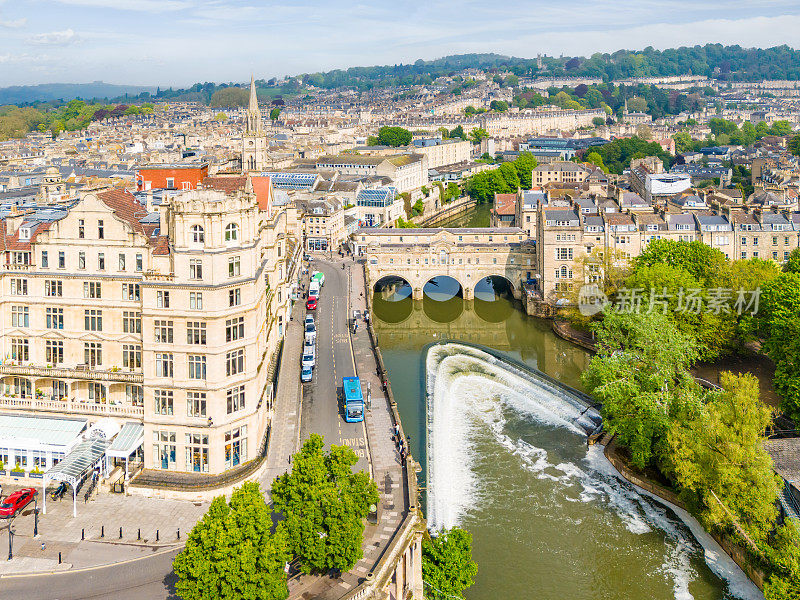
(180, 42)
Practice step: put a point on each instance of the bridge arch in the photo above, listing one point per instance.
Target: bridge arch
(443, 298)
(493, 287)
(392, 299)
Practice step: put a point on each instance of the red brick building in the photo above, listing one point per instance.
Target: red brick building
(175, 176)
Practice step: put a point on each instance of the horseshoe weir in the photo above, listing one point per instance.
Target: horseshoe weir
(504, 455)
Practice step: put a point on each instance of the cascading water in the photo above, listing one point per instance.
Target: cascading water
(492, 424)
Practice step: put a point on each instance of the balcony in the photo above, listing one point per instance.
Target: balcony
(156, 276)
(71, 406)
(83, 372)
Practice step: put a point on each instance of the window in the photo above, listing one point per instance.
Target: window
(163, 332)
(195, 300)
(139, 263)
(563, 253)
(93, 320)
(131, 322)
(170, 183)
(234, 329)
(93, 353)
(197, 366)
(163, 364)
(162, 299)
(53, 288)
(59, 393)
(195, 332)
(196, 404)
(198, 235)
(19, 287)
(234, 297)
(130, 291)
(20, 349)
(131, 356)
(54, 318)
(774, 240)
(121, 262)
(81, 229)
(235, 446)
(20, 316)
(755, 241)
(91, 289)
(62, 260)
(54, 351)
(235, 397)
(164, 449)
(164, 402)
(45, 261)
(234, 266)
(21, 258)
(231, 232)
(100, 230)
(101, 261)
(234, 362)
(195, 268)
(134, 394)
(197, 452)
(97, 392)
(81, 260)
(744, 241)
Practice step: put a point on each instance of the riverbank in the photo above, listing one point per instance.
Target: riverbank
(635, 476)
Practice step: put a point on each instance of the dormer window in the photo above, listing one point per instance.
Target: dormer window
(198, 234)
(231, 232)
(25, 233)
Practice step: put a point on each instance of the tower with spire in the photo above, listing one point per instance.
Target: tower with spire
(254, 140)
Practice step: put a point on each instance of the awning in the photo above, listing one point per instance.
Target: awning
(78, 462)
(128, 440)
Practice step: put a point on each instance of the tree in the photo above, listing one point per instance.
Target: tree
(478, 134)
(640, 368)
(274, 113)
(702, 261)
(498, 105)
(637, 104)
(794, 145)
(406, 203)
(524, 164)
(598, 121)
(230, 553)
(230, 97)
(447, 565)
(324, 505)
(512, 81)
(683, 142)
(418, 208)
(596, 160)
(458, 132)
(792, 265)
(394, 136)
(719, 461)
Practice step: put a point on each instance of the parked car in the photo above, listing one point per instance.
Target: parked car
(311, 328)
(15, 502)
(305, 374)
(309, 319)
(311, 303)
(309, 356)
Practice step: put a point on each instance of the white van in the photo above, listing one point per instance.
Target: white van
(313, 289)
(309, 356)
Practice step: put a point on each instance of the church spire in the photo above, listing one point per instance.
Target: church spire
(253, 112)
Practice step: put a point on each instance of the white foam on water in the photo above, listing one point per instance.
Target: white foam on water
(468, 390)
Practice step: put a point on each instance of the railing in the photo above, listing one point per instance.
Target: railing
(79, 372)
(71, 406)
(155, 276)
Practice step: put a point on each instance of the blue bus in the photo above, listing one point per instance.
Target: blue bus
(353, 400)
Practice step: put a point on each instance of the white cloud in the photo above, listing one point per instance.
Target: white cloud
(13, 24)
(55, 38)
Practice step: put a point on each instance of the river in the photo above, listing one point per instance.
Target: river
(550, 517)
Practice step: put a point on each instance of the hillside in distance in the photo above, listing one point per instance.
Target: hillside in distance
(46, 92)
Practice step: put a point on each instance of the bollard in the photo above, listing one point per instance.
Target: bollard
(156, 534)
(139, 536)
(83, 534)
(102, 531)
(120, 533)
(179, 533)
(59, 558)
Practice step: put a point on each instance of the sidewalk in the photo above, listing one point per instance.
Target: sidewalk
(285, 429)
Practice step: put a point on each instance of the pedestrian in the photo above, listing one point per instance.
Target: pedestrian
(43, 546)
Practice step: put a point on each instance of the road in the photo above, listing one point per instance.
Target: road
(139, 579)
(321, 405)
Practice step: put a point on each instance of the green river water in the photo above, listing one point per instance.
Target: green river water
(549, 517)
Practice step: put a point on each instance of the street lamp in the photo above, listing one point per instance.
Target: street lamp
(10, 540)
(35, 518)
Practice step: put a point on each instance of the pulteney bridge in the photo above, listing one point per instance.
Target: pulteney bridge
(467, 255)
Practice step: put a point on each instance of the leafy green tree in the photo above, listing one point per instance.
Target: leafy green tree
(596, 160)
(447, 565)
(221, 116)
(444, 132)
(394, 136)
(274, 113)
(418, 208)
(372, 140)
(498, 105)
(598, 121)
(478, 134)
(794, 145)
(702, 261)
(639, 370)
(793, 264)
(719, 461)
(230, 97)
(683, 142)
(524, 164)
(231, 554)
(324, 505)
(458, 132)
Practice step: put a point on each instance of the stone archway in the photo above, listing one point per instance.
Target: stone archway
(392, 299)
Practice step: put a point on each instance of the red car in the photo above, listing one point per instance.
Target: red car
(311, 303)
(13, 503)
